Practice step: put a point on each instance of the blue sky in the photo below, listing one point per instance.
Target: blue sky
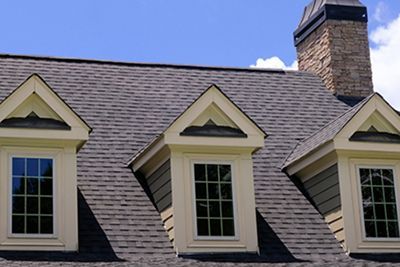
(205, 32)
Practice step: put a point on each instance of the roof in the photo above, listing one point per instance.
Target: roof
(323, 135)
(128, 105)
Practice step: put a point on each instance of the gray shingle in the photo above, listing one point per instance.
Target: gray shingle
(127, 105)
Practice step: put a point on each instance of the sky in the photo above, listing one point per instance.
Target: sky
(239, 33)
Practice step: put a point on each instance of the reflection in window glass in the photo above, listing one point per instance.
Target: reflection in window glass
(379, 203)
(32, 196)
(214, 204)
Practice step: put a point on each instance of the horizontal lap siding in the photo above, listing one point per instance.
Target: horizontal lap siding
(160, 187)
(323, 190)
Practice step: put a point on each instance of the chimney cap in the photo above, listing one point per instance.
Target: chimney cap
(316, 5)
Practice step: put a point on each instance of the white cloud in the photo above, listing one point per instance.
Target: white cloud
(385, 58)
(273, 63)
(381, 11)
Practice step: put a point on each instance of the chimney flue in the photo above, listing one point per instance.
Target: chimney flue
(332, 42)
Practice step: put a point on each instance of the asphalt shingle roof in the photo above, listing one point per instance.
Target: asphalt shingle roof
(127, 105)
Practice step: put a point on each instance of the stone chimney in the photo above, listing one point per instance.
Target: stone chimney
(332, 42)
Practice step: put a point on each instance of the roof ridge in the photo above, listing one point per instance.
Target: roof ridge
(147, 64)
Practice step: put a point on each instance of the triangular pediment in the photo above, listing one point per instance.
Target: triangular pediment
(213, 114)
(35, 106)
(376, 121)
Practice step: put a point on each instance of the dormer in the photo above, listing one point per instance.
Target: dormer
(350, 170)
(199, 175)
(40, 136)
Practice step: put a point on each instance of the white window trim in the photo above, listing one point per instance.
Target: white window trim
(360, 201)
(32, 155)
(234, 201)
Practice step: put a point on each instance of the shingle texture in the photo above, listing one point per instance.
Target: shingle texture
(127, 105)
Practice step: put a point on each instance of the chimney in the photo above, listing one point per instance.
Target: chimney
(332, 42)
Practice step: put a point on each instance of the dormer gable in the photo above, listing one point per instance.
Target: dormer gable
(38, 109)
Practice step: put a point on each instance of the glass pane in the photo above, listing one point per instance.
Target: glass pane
(393, 229)
(378, 194)
(32, 167)
(389, 194)
(214, 209)
(32, 186)
(381, 227)
(18, 186)
(228, 227)
(201, 191)
(46, 187)
(391, 212)
(46, 167)
(201, 208)
(376, 177)
(387, 176)
(365, 177)
(18, 205)
(215, 227)
(213, 191)
(366, 193)
(18, 224)
(212, 172)
(370, 229)
(380, 211)
(226, 191)
(32, 205)
(32, 224)
(46, 205)
(202, 227)
(225, 173)
(46, 224)
(199, 172)
(227, 209)
(368, 212)
(18, 167)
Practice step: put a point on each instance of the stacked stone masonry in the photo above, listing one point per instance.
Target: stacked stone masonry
(338, 52)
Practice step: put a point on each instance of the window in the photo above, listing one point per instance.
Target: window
(214, 201)
(32, 196)
(379, 203)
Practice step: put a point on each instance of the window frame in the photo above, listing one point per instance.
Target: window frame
(196, 237)
(32, 155)
(392, 167)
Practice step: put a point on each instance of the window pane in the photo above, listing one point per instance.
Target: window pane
(18, 167)
(213, 191)
(32, 196)
(202, 208)
(212, 172)
(18, 205)
(199, 172)
(18, 224)
(18, 186)
(215, 227)
(214, 206)
(32, 224)
(33, 167)
(32, 186)
(379, 203)
(228, 227)
(227, 209)
(201, 191)
(46, 224)
(225, 173)
(32, 205)
(46, 186)
(202, 227)
(46, 167)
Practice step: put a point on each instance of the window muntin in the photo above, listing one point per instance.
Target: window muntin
(214, 200)
(379, 202)
(32, 196)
